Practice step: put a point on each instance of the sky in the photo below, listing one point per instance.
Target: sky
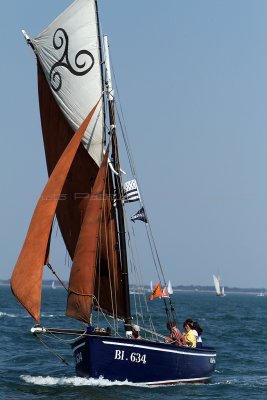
(192, 79)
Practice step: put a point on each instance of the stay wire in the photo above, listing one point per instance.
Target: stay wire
(56, 275)
(133, 170)
(52, 351)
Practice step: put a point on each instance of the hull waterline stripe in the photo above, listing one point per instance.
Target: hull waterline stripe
(78, 346)
(206, 378)
(157, 349)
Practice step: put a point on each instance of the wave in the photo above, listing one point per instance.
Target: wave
(250, 381)
(74, 381)
(43, 315)
(3, 314)
(48, 315)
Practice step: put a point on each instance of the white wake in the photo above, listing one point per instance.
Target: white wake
(74, 381)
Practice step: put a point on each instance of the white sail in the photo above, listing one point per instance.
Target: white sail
(170, 290)
(216, 281)
(68, 50)
(53, 285)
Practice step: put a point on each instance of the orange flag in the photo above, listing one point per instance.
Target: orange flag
(157, 292)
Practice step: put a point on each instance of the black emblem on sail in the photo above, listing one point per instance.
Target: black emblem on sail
(60, 40)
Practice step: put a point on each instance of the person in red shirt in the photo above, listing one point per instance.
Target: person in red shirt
(176, 337)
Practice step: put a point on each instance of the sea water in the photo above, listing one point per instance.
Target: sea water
(235, 325)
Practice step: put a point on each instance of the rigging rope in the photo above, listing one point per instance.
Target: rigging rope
(170, 313)
(52, 351)
(56, 275)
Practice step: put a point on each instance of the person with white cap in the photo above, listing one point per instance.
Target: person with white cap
(136, 332)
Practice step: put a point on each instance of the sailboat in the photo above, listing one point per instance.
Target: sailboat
(218, 288)
(53, 285)
(167, 290)
(170, 289)
(86, 193)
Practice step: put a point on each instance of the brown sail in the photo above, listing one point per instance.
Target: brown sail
(108, 281)
(26, 281)
(82, 278)
(76, 192)
(80, 179)
(69, 79)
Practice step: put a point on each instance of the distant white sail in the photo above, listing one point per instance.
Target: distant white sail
(219, 291)
(151, 286)
(53, 285)
(170, 290)
(165, 292)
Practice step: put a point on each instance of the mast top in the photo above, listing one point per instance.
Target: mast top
(110, 91)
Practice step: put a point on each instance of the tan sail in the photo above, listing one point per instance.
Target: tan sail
(95, 273)
(76, 192)
(82, 277)
(108, 282)
(26, 280)
(78, 185)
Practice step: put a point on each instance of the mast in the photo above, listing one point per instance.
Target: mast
(101, 63)
(117, 176)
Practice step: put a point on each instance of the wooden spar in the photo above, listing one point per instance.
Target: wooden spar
(37, 329)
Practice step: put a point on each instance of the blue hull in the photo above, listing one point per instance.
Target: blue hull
(142, 361)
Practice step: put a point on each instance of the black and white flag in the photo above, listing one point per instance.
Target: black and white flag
(140, 215)
(130, 191)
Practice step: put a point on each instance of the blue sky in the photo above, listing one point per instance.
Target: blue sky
(192, 81)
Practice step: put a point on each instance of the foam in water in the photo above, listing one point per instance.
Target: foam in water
(3, 314)
(74, 381)
(44, 315)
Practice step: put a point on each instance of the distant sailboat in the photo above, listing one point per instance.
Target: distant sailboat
(166, 291)
(218, 288)
(53, 285)
(170, 290)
